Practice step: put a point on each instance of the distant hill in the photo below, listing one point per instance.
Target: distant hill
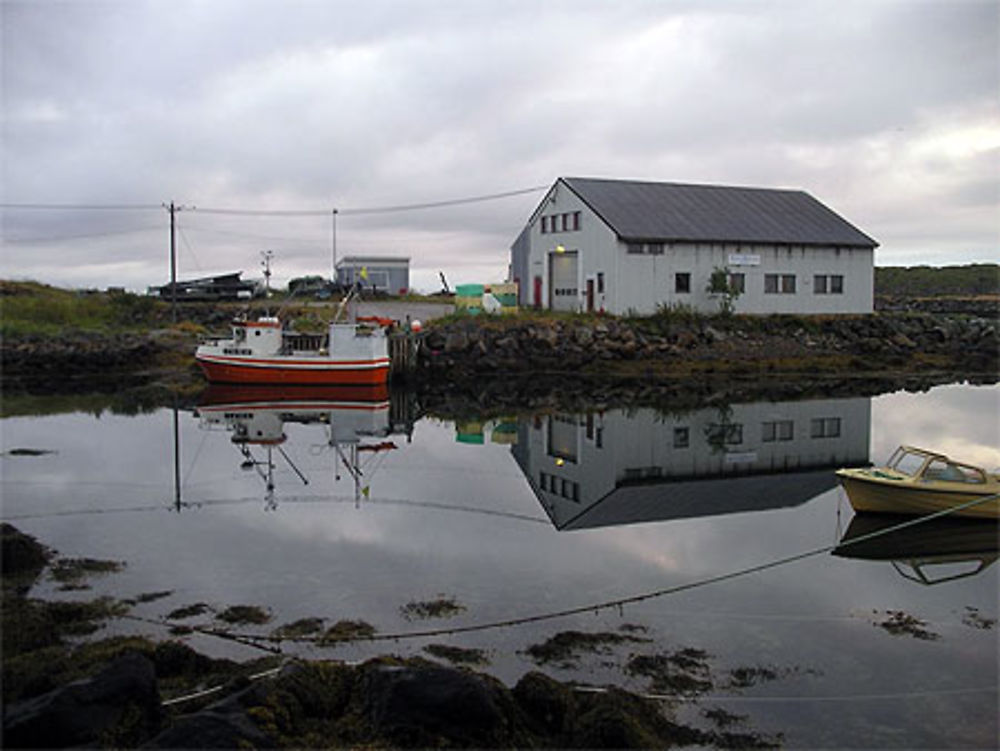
(928, 281)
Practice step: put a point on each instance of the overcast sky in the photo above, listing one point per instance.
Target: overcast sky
(888, 112)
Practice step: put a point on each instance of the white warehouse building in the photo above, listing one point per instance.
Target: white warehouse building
(623, 246)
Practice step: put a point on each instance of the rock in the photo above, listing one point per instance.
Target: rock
(456, 341)
(583, 335)
(548, 703)
(118, 706)
(414, 705)
(902, 340)
(224, 724)
(21, 554)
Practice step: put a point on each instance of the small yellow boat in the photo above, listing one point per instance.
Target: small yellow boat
(916, 481)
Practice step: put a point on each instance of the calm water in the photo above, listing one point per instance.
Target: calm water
(344, 508)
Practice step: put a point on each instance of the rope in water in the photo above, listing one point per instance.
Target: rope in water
(261, 641)
(267, 641)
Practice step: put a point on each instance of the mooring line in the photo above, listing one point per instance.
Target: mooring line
(619, 604)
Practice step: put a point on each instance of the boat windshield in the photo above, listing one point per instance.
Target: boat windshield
(940, 470)
(906, 462)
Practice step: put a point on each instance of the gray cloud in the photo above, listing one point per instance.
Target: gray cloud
(888, 111)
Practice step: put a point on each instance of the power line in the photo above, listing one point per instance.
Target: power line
(437, 204)
(276, 212)
(83, 206)
(371, 209)
(82, 236)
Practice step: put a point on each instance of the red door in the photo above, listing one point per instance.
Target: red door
(538, 292)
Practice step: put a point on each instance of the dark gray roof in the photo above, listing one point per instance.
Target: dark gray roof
(715, 213)
(706, 496)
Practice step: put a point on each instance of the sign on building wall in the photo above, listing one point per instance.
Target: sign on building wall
(744, 259)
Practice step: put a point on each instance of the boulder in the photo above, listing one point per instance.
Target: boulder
(224, 724)
(118, 706)
(419, 705)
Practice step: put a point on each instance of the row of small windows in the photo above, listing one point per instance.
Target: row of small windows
(559, 486)
(568, 222)
(640, 249)
(774, 284)
(731, 434)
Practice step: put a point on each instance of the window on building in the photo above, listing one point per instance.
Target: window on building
(565, 222)
(682, 282)
(576, 220)
(724, 434)
(682, 437)
(820, 284)
(545, 225)
(779, 284)
(738, 283)
(836, 284)
(825, 427)
(635, 249)
(654, 249)
(777, 430)
(600, 282)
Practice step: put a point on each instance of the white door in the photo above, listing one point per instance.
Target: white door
(563, 280)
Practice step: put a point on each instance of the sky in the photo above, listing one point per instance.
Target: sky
(888, 112)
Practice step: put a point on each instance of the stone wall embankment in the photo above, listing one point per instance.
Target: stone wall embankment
(476, 347)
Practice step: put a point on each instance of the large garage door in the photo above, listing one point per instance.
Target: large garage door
(563, 292)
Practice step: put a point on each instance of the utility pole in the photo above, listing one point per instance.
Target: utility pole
(267, 255)
(173, 209)
(334, 246)
(173, 264)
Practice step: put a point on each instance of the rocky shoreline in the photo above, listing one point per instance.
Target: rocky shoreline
(457, 351)
(645, 348)
(61, 690)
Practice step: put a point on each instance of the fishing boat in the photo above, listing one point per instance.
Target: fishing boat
(917, 481)
(265, 352)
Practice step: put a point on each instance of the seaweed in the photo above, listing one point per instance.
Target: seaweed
(685, 671)
(442, 607)
(903, 624)
(238, 615)
(72, 573)
(566, 647)
(458, 655)
(974, 619)
(347, 630)
(300, 628)
(189, 611)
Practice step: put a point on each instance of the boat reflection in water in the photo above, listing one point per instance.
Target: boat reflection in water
(353, 419)
(931, 552)
(611, 468)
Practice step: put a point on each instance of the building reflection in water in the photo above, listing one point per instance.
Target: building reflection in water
(610, 468)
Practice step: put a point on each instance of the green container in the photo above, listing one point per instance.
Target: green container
(469, 290)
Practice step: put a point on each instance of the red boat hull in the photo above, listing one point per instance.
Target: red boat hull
(234, 370)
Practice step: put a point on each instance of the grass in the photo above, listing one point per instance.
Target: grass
(30, 308)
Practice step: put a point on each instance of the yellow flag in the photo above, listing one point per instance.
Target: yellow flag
(364, 273)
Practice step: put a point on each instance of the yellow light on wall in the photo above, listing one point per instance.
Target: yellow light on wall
(560, 249)
(560, 462)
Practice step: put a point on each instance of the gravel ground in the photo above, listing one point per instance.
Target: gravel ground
(400, 309)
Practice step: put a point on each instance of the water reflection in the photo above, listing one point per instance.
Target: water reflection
(351, 419)
(613, 468)
(933, 552)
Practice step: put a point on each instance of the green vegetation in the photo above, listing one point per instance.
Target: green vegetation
(442, 607)
(33, 308)
(926, 281)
